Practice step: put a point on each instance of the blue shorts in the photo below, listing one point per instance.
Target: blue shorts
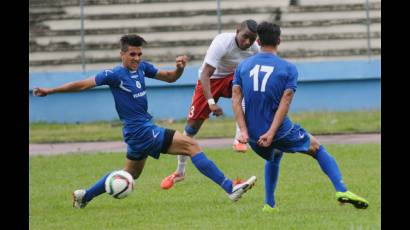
(150, 140)
(296, 140)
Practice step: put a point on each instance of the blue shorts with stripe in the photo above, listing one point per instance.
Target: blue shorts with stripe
(148, 140)
(296, 140)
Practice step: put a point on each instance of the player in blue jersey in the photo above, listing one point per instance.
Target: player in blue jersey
(267, 83)
(142, 136)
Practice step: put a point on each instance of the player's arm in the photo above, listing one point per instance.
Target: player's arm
(266, 139)
(237, 97)
(206, 74)
(172, 76)
(67, 87)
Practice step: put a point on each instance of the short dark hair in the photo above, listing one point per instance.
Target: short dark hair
(131, 40)
(268, 33)
(250, 24)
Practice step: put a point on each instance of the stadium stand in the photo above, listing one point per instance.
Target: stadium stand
(312, 30)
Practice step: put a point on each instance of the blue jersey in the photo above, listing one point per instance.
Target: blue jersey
(128, 89)
(263, 78)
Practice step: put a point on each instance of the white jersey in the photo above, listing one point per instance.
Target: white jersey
(224, 55)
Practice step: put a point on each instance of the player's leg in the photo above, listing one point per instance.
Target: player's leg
(82, 197)
(272, 159)
(198, 113)
(236, 145)
(191, 129)
(330, 168)
(135, 167)
(271, 179)
(223, 88)
(327, 164)
(187, 146)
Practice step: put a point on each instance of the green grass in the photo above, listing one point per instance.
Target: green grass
(314, 122)
(304, 194)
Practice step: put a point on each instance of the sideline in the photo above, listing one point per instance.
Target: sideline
(119, 146)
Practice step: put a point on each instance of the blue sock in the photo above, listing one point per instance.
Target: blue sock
(97, 189)
(329, 166)
(271, 178)
(209, 169)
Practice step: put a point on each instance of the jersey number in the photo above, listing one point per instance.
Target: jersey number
(191, 111)
(255, 74)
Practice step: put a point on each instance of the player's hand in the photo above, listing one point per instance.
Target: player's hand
(244, 137)
(181, 61)
(265, 140)
(216, 110)
(40, 92)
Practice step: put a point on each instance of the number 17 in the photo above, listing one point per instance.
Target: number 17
(255, 73)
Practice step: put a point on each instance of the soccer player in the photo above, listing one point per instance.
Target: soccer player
(267, 83)
(215, 81)
(142, 136)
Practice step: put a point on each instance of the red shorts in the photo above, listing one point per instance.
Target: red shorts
(220, 87)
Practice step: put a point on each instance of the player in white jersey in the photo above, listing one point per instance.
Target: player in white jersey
(215, 81)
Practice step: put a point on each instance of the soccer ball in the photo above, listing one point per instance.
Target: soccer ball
(119, 184)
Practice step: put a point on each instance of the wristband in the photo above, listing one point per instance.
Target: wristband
(211, 101)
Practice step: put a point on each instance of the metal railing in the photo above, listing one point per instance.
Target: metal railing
(218, 13)
(82, 35)
(369, 48)
(219, 27)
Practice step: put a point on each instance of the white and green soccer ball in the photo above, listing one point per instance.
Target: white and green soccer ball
(119, 184)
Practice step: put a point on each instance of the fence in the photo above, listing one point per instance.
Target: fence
(325, 85)
(219, 27)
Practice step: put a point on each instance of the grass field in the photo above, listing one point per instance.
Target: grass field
(304, 194)
(314, 122)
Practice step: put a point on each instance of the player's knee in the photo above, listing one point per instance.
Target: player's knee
(190, 130)
(190, 146)
(314, 146)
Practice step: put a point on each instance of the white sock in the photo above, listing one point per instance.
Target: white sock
(238, 131)
(181, 164)
(237, 134)
(182, 159)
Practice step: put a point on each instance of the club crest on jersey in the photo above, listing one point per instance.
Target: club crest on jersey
(138, 84)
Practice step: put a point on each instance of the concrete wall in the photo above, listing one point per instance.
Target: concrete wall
(314, 30)
(330, 85)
